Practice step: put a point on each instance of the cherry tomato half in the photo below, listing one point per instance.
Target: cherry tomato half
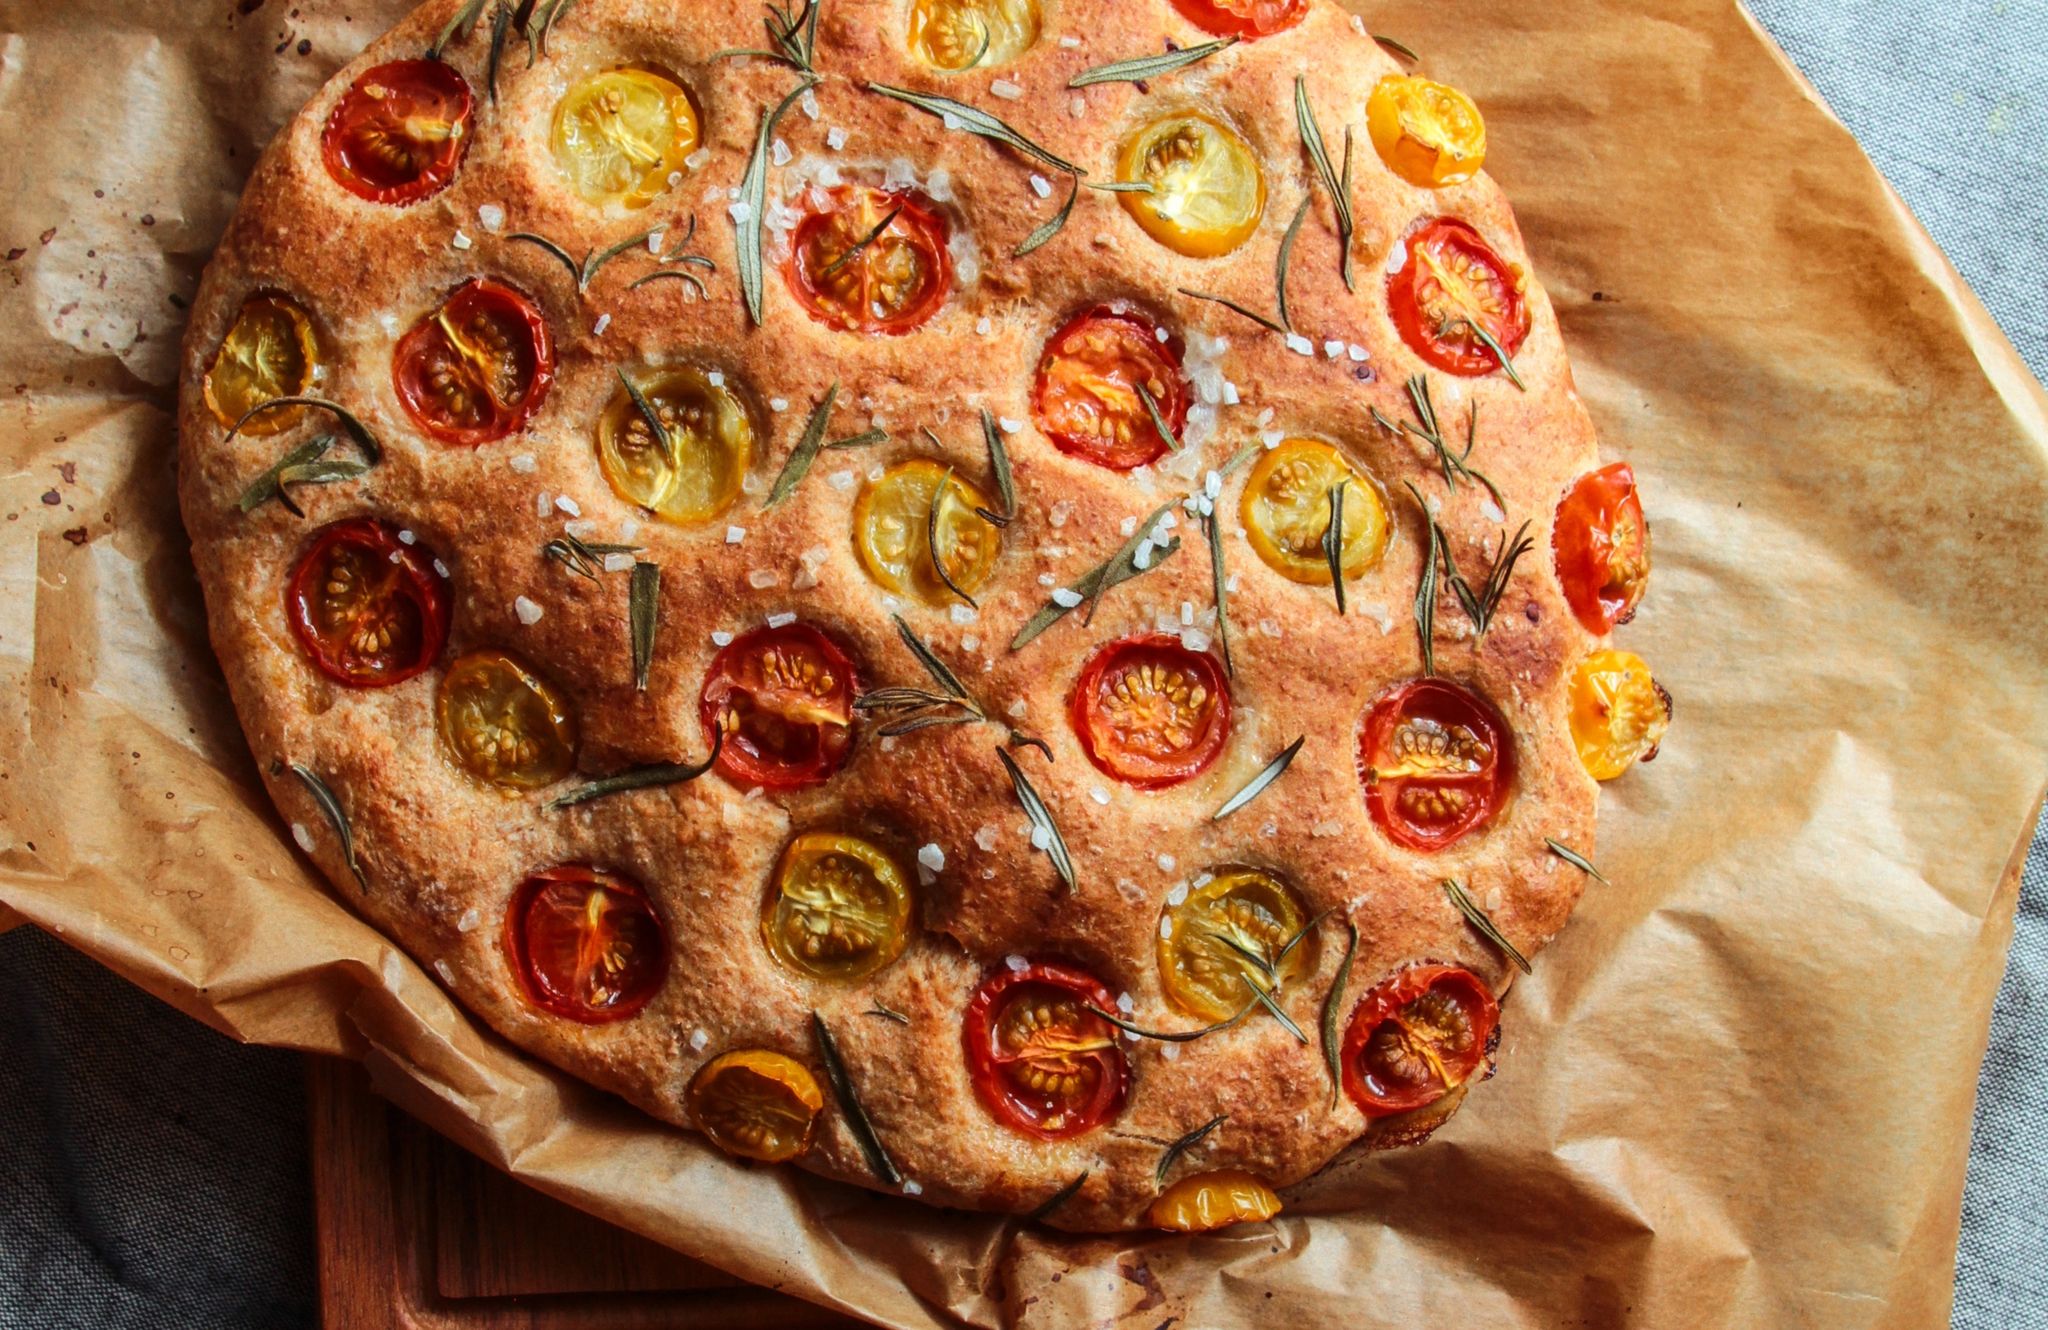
(367, 607)
(1437, 763)
(756, 1104)
(839, 907)
(1602, 543)
(504, 724)
(1243, 18)
(1452, 283)
(1416, 1036)
(1150, 712)
(619, 136)
(1429, 134)
(972, 34)
(398, 134)
(1040, 1061)
(1619, 713)
(477, 368)
(1213, 1200)
(1207, 192)
(587, 944)
(893, 524)
(1208, 940)
(784, 698)
(697, 469)
(1086, 395)
(869, 260)
(270, 352)
(1286, 512)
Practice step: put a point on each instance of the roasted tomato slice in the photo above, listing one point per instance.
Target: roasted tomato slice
(1419, 1034)
(695, 470)
(1086, 396)
(586, 943)
(1437, 763)
(894, 521)
(620, 135)
(972, 34)
(756, 1104)
(504, 724)
(1040, 1060)
(398, 134)
(1453, 283)
(270, 352)
(1207, 193)
(1208, 940)
(367, 607)
(870, 260)
(477, 368)
(1602, 543)
(784, 698)
(1619, 713)
(1286, 511)
(839, 907)
(1429, 134)
(1150, 712)
(1243, 18)
(1213, 1200)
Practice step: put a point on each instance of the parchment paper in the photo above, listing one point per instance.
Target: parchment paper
(1737, 1091)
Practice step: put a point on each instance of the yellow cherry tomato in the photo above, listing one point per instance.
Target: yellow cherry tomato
(619, 136)
(1207, 192)
(839, 908)
(1213, 1200)
(1205, 954)
(972, 34)
(694, 473)
(270, 352)
(756, 1104)
(1286, 511)
(892, 527)
(1427, 133)
(504, 724)
(1619, 713)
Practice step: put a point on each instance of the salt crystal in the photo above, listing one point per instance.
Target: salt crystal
(491, 215)
(1166, 863)
(721, 638)
(1010, 426)
(568, 505)
(440, 568)
(1059, 513)
(1300, 345)
(406, 538)
(779, 153)
(1066, 598)
(932, 857)
(618, 563)
(985, 837)
(1041, 186)
(603, 321)
(1098, 794)
(1230, 393)
(1179, 892)
(835, 138)
(783, 620)
(715, 379)
(763, 578)
(1017, 963)
(965, 614)
(970, 642)
(302, 836)
(1358, 354)
(698, 1039)
(446, 972)
(911, 1187)
(698, 160)
(808, 104)
(1165, 926)
(1078, 107)
(469, 921)
(461, 241)
(1141, 558)
(1006, 90)
(778, 404)
(543, 504)
(735, 534)
(1333, 349)
(741, 212)
(841, 480)
(1128, 525)
(529, 613)
(1124, 1003)
(1070, 42)
(1041, 839)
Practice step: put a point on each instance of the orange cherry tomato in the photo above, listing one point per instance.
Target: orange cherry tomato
(1437, 763)
(1618, 712)
(1243, 18)
(1429, 134)
(1452, 283)
(586, 943)
(1040, 1061)
(871, 261)
(756, 1104)
(1150, 712)
(1086, 396)
(270, 352)
(1602, 543)
(1419, 1034)
(398, 134)
(477, 368)
(504, 724)
(784, 699)
(1213, 1200)
(367, 607)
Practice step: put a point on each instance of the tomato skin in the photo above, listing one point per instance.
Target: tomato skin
(1200, 970)
(756, 1104)
(1209, 1201)
(1101, 694)
(399, 133)
(1248, 19)
(411, 600)
(893, 286)
(957, 35)
(1439, 989)
(1208, 192)
(1427, 316)
(1437, 762)
(1430, 134)
(428, 356)
(503, 724)
(838, 908)
(270, 351)
(1036, 1113)
(801, 686)
(1602, 545)
(1085, 397)
(561, 921)
(1619, 713)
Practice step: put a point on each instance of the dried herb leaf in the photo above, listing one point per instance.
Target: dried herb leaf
(999, 469)
(1491, 343)
(458, 28)
(1052, 225)
(806, 451)
(559, 254)
(1333, 1011)
(860, 246)
(583, 558)
(1221, 582)
(652, 419)
(1127, 557)
(1401, 49)
(1185, 1144)
(1041, 818)
(1333, 541)
(934, 526)
(1159, 425)
(1265, 999)
(1480, 920)
(1057, 1199)
(1092, 585)
(974, 120)
(1301, 935)
(754, 201)
(679, 274)
(1172, 1036)
(1425, 592)
(1319, 154)
(1149, 66)
(941, 673)
(886, 1014)
(269, 486)
(1285, 257)
(554, 14)
(1575, 859)
(1257, 785)
(501, 28)
(337, 818)
(356, 430)
(325, 471)
(1123, 186)
(641, 778)
(1234, 308)
(596, 259)
(644, 604)
(849, 1104)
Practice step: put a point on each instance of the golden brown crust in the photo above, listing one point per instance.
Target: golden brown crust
(443, 855)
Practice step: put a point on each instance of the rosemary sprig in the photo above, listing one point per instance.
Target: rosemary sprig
(457, 28)
(1052, 225)
(652, 419)
(918, 708)
(675, 274)
(1271, 772)
(1286, 257)
(1041, 818)
(542, 22)
(644, 606)
(1481, 603)
(1333, 541)
(1454, 465)
(1185, 1144)
(641, 778)
(973, 120)
(1164, 430)
(942, 673)
(307, 464)
(1092, 585)
(581, 557)
(999, 471)
(1219, 580)
(337, 818)
(1575, 859)
(1123, 186)
(1264, 998)
(747, 254)
(1319, 154)
(1234, 308)
(1057, 1199)
(1425, 591)
(857, 1122)
(1149, 66)
(1483, 922)
(886, 1014)
(1141, 536)
(357, 431)
(792, 38)
(1399, 48)
(860, 246)
(806, 451)
(1491, 343)
(934, 526)
(501, 28)
(553, 251)
(1332, 1013)
(1172, 1036)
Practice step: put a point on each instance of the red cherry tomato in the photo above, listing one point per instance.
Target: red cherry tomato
(587, 944)
(1150, 712)
(1453, 283)
(1437, 763)
(477, 368)
(1418, 1035)
(398, 134)
(368, 608)
(1040, 1061)
(784, 699)
(1243, 18)
(1602, 543)
(871, 261)
(1086, 395)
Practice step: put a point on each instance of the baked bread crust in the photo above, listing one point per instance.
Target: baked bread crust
(440, 852)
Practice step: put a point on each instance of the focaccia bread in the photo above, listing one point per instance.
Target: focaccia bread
(916, 596)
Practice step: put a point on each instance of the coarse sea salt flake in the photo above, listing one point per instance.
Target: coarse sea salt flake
(1300, 345)
(698, 1039)
(932, 857)
(461, 241)
(1165, 928)
(1066, 598)
(440, 568)
(1041, 839)
(469, 921)
(1098, 794)
(761, 579)
(1333, 349)
(529, 612)
(524, 464)
(842, 480)
(491, 215)
(302, 836)
(1041, 186)
(911, 1187)
(406, 537)
(603, 321)
(778, 404)
(1178, 894)
(1006, 90)
(783, 620)
(568, 505)
(1017, 963)
(1166, 862)
(735, 534)
(779, 153)
(618, 563)
(835, 138)
(446, 971)
(1010, 426)
(721, 638)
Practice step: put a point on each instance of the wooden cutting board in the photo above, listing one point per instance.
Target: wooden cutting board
(418, 1234)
